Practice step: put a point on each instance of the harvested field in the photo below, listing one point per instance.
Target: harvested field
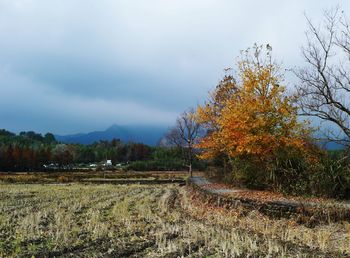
(148, 221)
(65, 177)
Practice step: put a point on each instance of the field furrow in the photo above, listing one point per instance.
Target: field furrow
(148, 221)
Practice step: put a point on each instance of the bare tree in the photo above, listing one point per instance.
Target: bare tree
(324, 89)
(185, 134)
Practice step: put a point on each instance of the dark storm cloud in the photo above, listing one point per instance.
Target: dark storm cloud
(79, 65)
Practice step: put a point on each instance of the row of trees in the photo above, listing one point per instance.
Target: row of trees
(31, 151)
(28, 150)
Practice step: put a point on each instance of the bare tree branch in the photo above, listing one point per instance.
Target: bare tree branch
(185, 134)
(324, 89)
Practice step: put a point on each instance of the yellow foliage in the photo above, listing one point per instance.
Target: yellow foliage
(251, 115)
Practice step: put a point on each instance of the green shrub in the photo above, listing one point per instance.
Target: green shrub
(289, 172)
(331, 178)
(247, 173)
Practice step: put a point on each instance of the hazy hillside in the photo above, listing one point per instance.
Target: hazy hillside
(149, 135)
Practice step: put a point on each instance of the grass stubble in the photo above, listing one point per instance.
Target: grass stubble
(149, 221)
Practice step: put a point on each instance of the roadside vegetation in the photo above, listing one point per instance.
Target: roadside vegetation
(255, 136)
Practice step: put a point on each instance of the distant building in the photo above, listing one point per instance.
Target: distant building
(108, 162)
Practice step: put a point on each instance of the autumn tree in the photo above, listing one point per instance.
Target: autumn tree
(324, 86)
(185, 135)
(209, 116)
(250, 114)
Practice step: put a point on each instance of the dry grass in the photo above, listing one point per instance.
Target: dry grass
(148, 221)
(63, 177)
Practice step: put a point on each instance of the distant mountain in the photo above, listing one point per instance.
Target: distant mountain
(149, 135)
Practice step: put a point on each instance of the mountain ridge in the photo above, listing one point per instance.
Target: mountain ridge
(149, 135)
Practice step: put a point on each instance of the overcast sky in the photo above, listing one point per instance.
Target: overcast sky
(70, 66)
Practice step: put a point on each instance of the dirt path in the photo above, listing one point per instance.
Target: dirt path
(202, 182)
(272, 202)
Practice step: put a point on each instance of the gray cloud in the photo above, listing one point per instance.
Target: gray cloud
(79, 65)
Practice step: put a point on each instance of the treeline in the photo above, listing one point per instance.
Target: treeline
(25, 151)
(30, 151)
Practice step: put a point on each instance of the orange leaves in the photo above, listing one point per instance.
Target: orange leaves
(251, 114)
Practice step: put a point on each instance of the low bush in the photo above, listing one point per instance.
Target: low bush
(292, 172)
(289, 172)
(247, 173)
(328, 176)
(331, 178)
